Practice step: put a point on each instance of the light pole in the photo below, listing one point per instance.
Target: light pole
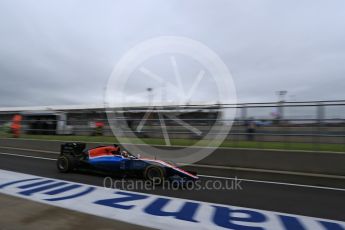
(281, 99)
(281, 95)
(149, 92)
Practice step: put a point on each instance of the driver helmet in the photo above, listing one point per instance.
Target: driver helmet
(125, 154)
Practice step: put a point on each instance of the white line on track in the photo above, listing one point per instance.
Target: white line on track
(210, 176)
(275, 183)
(269, 171)
(28, 156)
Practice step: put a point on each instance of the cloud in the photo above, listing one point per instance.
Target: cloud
(63, 52)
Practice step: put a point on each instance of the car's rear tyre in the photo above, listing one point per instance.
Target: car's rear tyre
(155, 174)
(65, 164)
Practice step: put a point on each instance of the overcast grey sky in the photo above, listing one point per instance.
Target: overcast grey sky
(63, 51)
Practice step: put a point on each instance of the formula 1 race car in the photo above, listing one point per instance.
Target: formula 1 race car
(112, 160)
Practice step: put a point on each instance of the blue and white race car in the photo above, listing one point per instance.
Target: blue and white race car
(112, 160)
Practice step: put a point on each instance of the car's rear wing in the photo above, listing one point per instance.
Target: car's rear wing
(73, 149)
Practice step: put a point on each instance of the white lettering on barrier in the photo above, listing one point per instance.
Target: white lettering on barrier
(153, 210)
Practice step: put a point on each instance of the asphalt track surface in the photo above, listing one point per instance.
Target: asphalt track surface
(309, 196)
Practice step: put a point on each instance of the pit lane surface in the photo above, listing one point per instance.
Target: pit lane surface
(21, 214)
(284, 197)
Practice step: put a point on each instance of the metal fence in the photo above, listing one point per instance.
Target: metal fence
(317, 123)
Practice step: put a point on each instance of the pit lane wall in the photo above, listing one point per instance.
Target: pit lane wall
(329, 163)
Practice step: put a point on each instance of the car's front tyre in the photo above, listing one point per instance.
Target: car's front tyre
(155, 174)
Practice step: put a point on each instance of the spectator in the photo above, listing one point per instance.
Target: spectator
(251, 129)
(99, 128)
(15, 126)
